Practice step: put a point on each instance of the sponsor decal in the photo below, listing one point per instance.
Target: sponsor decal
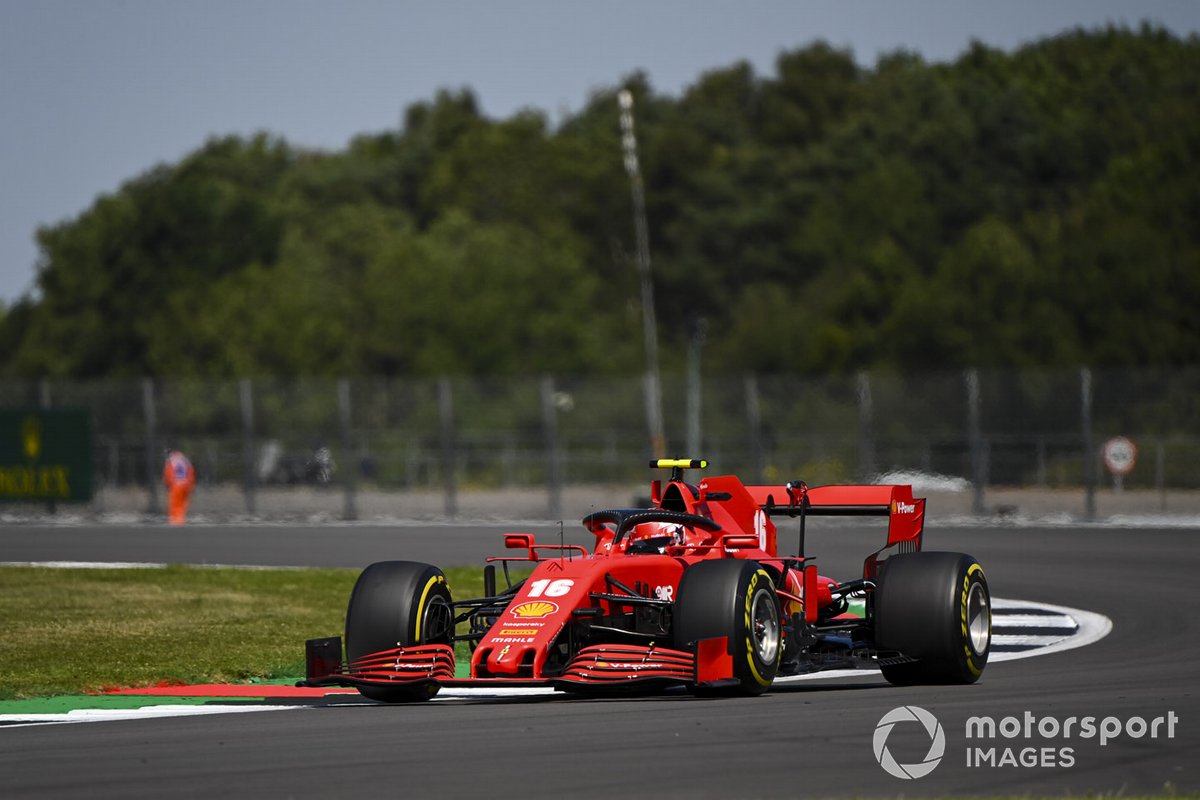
(45, 454)
(535, 609)
(634, 666)
(35, 482)
(901, 507)
(507, 631)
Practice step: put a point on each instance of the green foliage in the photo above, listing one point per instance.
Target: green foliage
(1010, 209)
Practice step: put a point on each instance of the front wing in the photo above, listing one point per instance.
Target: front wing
(595, 668)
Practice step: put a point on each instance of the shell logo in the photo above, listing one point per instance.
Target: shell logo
(535, 610)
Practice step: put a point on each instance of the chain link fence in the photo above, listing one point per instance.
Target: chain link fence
(455, 446)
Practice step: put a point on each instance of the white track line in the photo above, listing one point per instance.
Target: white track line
(113, 714)
(1090, 628)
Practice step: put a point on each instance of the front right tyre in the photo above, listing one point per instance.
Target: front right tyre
(733, 598)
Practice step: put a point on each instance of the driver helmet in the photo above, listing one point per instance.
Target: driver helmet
(670, 532)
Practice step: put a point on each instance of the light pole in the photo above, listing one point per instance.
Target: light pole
(654, 416)
(699, 329)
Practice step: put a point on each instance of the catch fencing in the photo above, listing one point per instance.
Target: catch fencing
(977, 431)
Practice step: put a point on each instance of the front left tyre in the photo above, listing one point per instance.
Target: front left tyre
(398, 604)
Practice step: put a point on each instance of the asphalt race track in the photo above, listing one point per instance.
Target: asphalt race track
(809, 739)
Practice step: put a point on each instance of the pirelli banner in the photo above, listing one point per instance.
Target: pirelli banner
(45, 455)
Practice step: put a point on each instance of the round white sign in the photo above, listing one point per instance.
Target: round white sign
(1120, 455)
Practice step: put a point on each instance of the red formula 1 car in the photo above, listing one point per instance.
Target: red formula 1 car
(691, 591)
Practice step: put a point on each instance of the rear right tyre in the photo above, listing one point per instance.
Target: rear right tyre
(934, 608)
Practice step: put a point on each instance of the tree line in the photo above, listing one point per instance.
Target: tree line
(1036, 207)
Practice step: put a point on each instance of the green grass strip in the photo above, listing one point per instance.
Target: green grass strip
(77, 631)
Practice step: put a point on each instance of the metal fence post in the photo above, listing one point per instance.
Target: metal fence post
(554, 477)
(694, 387)
(867, 468)
(45, 401)
(446, 415)
(1041, 462)
(1089, 455)
(975, 441)
(249, 473)
(1160, 474)
(754, 422)
(350, 470)
(150, 418)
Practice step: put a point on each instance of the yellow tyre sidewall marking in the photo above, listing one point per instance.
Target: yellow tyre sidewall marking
(968, 653)
(751, 589)
(432, 582)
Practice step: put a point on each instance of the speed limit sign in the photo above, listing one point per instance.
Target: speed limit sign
(1120, 455)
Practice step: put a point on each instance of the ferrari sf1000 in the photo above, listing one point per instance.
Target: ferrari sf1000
(691, 591)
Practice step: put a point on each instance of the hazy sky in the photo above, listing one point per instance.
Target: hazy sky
(95, 92)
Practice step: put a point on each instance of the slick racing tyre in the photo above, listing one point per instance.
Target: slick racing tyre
(733, 598)
(398, 604)
(934, 608)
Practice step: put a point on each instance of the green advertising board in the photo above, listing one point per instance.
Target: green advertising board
(45, 455)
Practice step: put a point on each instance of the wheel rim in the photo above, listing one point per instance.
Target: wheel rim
(438, 620)
(979, 619)
(764, 619)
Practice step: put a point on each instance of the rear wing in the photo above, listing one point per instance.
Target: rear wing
(905, 513)
(736, 505)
